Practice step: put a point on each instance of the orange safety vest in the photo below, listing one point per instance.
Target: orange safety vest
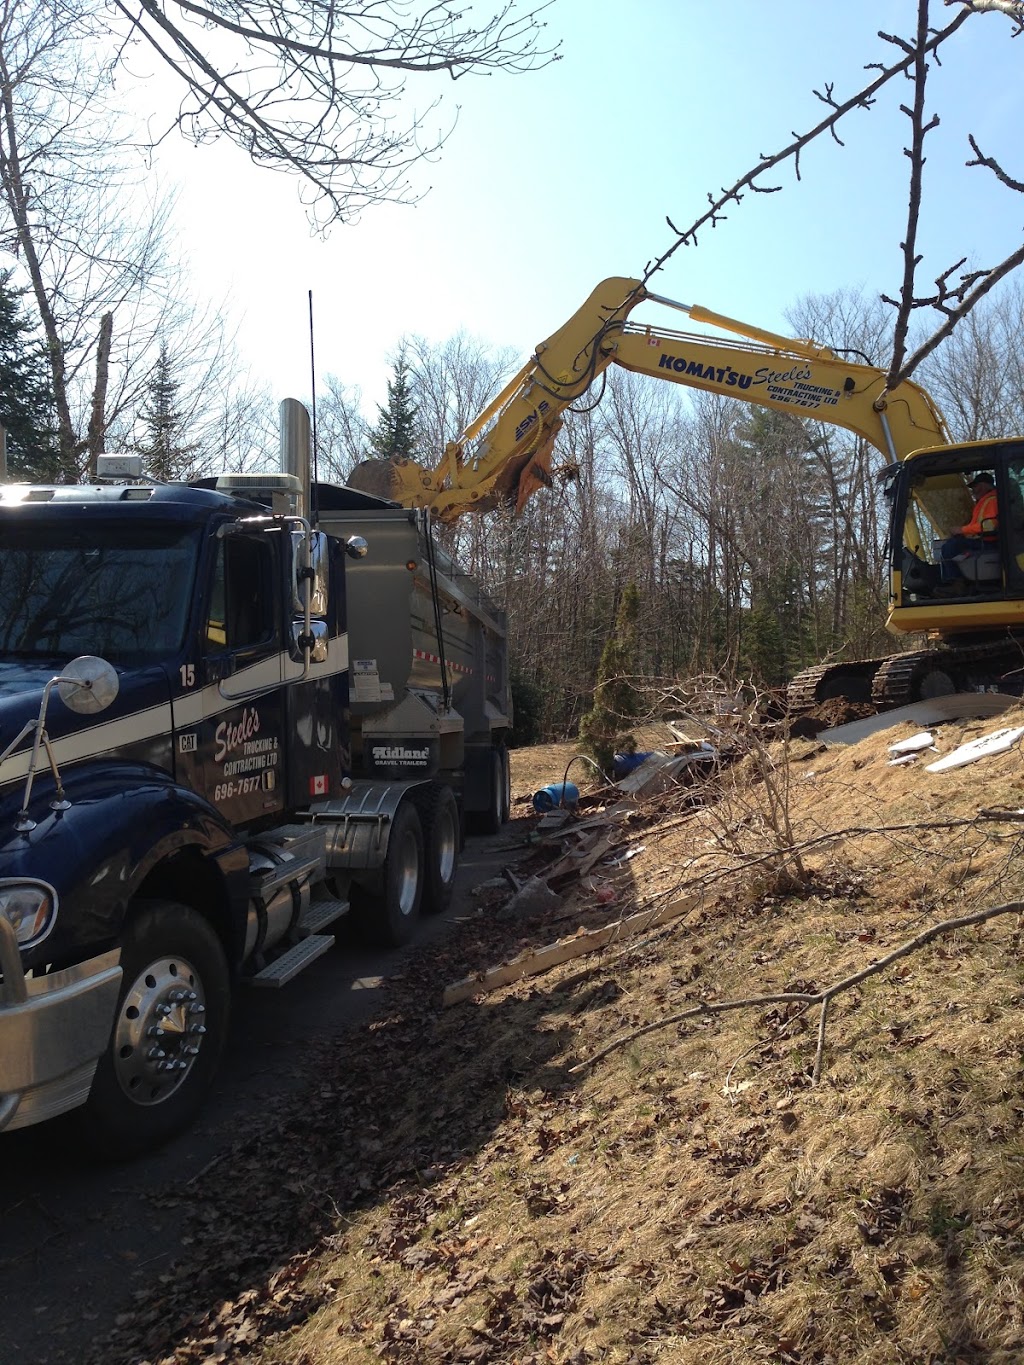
(985, 509)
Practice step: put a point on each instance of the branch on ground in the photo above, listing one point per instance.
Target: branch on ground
(809, 999)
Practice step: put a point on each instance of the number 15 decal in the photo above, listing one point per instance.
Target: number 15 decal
(188, 675)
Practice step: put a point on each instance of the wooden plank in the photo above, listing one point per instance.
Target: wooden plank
(581, 859)
(539, 960)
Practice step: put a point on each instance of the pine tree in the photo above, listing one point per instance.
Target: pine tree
(26, 396)
(604, 730)
(166, 452)
(394, 436)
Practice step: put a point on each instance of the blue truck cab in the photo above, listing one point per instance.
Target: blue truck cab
(180, 808)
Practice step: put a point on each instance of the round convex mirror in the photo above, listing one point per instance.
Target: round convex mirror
(88, 684)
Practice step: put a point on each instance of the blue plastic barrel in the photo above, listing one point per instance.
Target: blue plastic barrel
(556, 794)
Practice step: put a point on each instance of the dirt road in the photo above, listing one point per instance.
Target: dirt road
(78, 1242)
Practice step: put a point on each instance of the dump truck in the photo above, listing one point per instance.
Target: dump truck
(231, 714)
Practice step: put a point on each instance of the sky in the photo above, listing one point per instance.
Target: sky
(554, 180)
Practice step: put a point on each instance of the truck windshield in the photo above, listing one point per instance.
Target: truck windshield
(111, 589)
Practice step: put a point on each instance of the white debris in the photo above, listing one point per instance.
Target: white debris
(998, 742)
(923, 740)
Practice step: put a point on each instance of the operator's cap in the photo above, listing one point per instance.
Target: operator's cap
(981, 478)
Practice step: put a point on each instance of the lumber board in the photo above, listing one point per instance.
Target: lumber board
(537, 960)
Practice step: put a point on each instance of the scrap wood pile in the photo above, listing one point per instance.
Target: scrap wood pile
(613, 865)
(580, 868)
(590, 840)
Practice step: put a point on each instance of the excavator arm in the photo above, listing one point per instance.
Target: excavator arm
(505, 454)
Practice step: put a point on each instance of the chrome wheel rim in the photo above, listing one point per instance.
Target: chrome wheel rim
(408, 874)
(447, 844)
(159, 1030)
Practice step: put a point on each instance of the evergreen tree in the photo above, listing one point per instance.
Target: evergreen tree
(166, 452)
(604, 730)
(394, 436)
(26, 397)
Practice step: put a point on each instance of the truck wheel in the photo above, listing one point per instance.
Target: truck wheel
(506, 786)
(168, 1035)
(442, 840)
(387, 916)
(499, 805)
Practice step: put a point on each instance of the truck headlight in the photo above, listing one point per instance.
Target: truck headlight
(31, 907)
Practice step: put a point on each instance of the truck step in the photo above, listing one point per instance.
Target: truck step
(267, 881)
(318, 914)
(295, 960)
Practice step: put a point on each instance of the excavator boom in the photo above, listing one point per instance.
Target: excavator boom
(505, 454)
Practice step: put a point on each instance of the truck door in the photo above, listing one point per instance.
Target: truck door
(241, 738)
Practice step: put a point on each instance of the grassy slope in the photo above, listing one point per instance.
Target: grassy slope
(451, 1190)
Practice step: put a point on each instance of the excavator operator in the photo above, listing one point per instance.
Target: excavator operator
(978, 535)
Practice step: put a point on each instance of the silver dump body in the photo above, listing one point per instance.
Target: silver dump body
(428, 658)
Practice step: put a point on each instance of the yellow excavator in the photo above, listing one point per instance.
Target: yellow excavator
(976, 637)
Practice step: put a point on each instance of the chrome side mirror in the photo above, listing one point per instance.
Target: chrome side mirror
(87, 685)
(318, 641)
(317, 579)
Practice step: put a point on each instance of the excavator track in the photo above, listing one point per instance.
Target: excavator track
(981, 666)
(848, 681)
(994, 663)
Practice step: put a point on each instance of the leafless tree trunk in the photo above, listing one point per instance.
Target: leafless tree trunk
(64, 212)
(97, 422)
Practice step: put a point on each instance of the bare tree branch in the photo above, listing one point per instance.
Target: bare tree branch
(863, 99)
(993, 166)
(313, 86)
(955, 301)
(808, 998)
(1013, 9)
(990, 279)
(915, 153)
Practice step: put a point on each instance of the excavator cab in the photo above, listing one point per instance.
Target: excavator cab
(936, 582)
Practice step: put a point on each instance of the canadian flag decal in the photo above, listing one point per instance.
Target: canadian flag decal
(318, 785)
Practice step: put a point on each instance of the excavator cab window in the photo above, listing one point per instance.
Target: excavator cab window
(1013, 520)
(938, 504)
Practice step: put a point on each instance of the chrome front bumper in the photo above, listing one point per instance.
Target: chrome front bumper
(53, 1031)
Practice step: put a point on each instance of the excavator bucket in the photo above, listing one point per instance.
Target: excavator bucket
(377, 477)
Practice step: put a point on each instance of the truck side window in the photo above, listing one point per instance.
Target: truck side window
(242, 597)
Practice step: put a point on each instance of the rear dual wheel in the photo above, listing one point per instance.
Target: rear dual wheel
(442, 841)
(387, 911)
(499, 805)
